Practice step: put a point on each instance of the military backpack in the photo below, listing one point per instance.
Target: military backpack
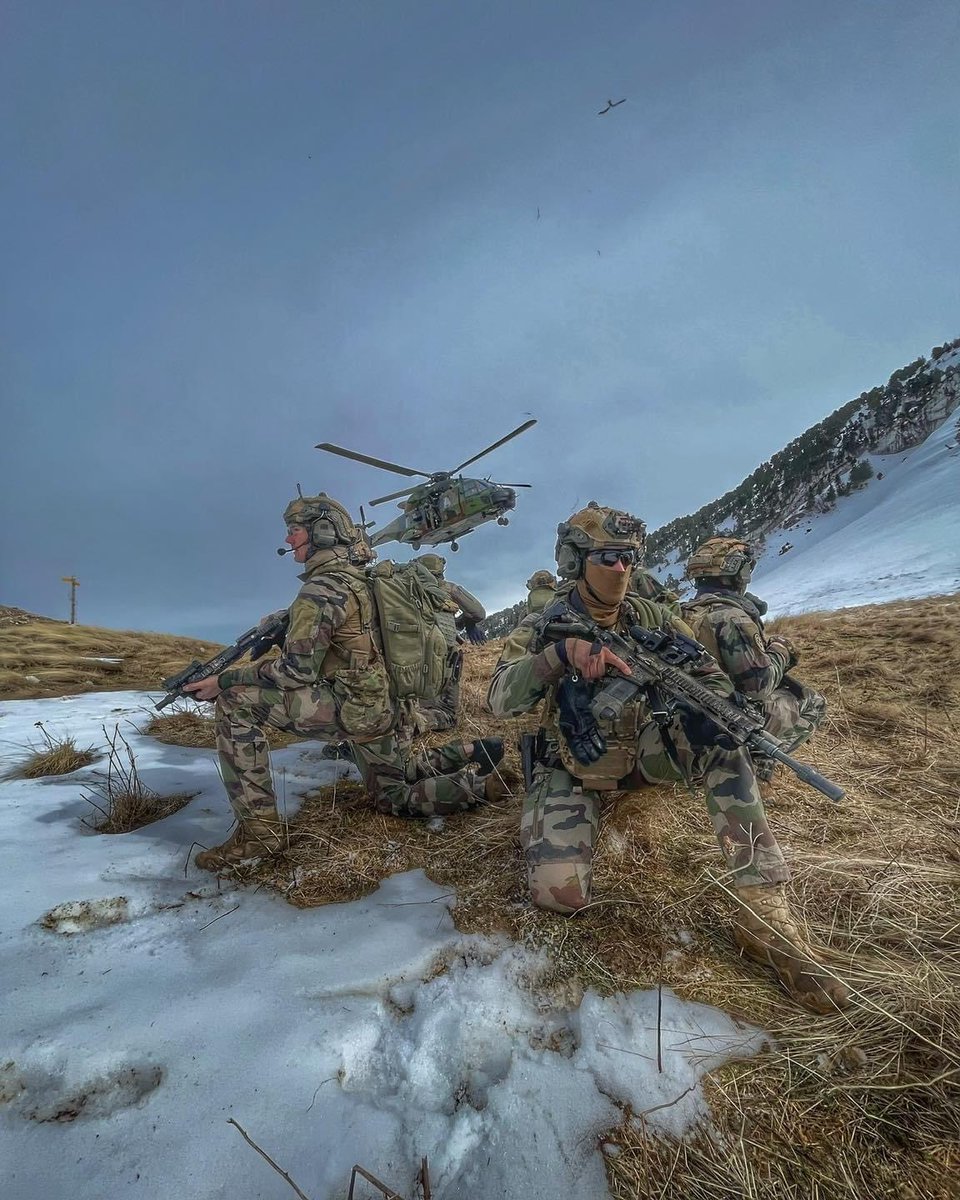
(415, 626)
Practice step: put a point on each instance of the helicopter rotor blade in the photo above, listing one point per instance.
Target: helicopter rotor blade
(395, 495)
(519, 429)
(514, 485)
(366, 458)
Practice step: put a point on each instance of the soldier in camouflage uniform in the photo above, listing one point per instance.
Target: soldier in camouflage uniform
(466, 615)
(542, 587)
(646, 585)
(330, 681)
(727, 619)
(596, 548)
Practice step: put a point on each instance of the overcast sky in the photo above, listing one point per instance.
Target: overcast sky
(233, 230)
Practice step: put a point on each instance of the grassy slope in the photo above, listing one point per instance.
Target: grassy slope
(863, 1104)
(40, 657)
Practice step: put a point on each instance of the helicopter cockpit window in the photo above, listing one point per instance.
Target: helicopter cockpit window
(472, 487)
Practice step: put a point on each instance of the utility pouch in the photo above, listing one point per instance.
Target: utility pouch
(364, 708)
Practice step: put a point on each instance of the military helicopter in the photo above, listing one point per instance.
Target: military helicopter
(447, 506)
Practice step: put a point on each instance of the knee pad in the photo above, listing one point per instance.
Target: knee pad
(560, 887)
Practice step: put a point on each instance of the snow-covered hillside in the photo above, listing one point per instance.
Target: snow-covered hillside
(900, 537)
(828, 462)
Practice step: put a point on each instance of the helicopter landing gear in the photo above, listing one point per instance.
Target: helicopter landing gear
(503, 520)
(454, 545)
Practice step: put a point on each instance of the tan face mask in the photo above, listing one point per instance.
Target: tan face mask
(602, 590)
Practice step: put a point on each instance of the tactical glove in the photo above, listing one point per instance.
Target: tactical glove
(475, 634)
(702, 732)
(577, 723)
(784, 643)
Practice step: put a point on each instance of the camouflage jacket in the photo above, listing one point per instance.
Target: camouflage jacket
(471, 611)
(731, 628)
(332, 631)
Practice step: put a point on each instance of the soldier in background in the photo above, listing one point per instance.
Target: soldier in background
(466, 615)
(330, 681)
(542, 591)
(596, 550)
(649, 587)
(728, 620)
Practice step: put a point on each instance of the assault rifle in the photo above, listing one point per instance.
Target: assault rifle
(258, 641)
(657, 658)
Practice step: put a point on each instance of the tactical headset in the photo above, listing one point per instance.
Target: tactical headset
(323, 520)
(574, 542)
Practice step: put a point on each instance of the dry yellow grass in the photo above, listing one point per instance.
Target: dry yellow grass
(56, 756)
(39, 657)
(121, 798)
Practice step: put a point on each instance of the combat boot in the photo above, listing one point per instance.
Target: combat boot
(499, 784)
(766, 931)
(487, 753)
(257, 837)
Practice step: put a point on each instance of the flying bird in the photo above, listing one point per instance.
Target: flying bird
(610, 104)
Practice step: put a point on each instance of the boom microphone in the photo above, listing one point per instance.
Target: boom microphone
(288, 550)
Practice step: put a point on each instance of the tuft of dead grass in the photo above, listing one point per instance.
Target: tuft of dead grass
(861, 1104)
(187, 727)
(57, 756)
(123, 801)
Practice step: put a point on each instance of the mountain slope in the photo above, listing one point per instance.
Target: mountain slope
(831, 461)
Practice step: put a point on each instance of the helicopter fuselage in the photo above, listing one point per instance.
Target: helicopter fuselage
(434, 515)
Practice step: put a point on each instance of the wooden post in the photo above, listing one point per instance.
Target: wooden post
(74, 584)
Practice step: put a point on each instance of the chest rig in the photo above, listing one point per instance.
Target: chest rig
(621, 735)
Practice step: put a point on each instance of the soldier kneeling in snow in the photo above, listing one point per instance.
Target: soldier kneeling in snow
(330, 682)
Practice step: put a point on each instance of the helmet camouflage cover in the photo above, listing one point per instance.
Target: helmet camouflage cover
(327, 521)
(433, 562)
(596, 528)
(721, 557)
(542, 579)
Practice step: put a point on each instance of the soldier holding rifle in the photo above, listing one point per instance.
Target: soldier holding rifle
(647, 736)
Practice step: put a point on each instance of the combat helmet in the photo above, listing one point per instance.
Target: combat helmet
(433, 562)
(724, 558)
(596, 528)
(328, 524)
(542, 579)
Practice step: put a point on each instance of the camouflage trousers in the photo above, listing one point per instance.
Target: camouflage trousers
(558, 828)
(399, 781)
(794, 712)
(405, 784)
(444, 712)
